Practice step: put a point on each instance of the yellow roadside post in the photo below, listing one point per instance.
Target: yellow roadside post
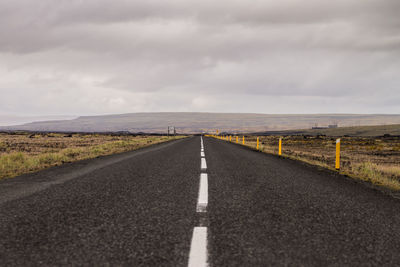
(337, 165)
(230, 138)
(237, 139)
(280, 147)
(258, 143)
(243, 140)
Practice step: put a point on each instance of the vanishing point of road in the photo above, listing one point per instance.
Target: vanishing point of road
(195, 202)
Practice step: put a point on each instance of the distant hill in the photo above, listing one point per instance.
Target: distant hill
(198, 122)
(380, 130)
(8, 120)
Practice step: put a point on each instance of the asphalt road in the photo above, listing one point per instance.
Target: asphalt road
(139, 209)
(264, 210)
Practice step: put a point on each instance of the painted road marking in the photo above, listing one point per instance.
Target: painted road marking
(202, 154)
(203, 164)
(203, 193)
(198, 248)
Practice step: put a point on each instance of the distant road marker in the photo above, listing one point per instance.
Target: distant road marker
(203, 164)
(198, 248)
(202, 201)
(202, 154)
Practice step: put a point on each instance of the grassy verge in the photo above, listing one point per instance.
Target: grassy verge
(370, 159)
(24, 154)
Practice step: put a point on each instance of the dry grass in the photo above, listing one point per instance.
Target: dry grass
(372, 159)
(24, 153)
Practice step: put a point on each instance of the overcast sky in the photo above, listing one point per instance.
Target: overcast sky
(69, 57)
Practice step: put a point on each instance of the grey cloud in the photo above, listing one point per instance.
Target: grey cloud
(71, 57)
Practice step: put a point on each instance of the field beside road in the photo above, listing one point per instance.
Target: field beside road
(28, 152)
(371, 159)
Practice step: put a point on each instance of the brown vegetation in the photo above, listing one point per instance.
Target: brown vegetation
(23, 152)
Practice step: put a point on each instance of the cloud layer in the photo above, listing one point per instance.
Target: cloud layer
(291, 56)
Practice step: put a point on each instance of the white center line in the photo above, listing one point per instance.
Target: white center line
(198, 248)
(203, 164)
(203, 193)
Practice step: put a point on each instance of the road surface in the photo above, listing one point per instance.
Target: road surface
(167, 205)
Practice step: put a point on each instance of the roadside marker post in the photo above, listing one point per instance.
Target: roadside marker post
(337, 163)
(230, 138)
(237, 139)
(280, 147)
(243, 140)
(258, 143)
